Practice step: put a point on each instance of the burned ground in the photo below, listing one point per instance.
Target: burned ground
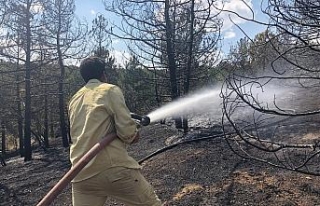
(199, 173)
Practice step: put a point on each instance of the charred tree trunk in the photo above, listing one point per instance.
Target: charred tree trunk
(65, 141)
(63, 128)
(19, 116)
(171, 58)
(27, 116)
(3, 145)
(187, 74)
(158, 100)
(51, 124)
(46, 121)
(3, 139)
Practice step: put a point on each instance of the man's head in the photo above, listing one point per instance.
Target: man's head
(92, 68)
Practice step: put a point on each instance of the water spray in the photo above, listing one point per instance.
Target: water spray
(200, 102)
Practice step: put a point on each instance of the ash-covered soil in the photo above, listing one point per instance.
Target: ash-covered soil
(200, 173)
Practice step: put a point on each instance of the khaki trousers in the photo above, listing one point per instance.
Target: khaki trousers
(125, 185)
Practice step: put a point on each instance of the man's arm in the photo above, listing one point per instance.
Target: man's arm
(126, 127)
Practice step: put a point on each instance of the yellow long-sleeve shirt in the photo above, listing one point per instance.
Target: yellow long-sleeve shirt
(96, 110)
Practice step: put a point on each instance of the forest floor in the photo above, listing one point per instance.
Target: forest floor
(199, 173)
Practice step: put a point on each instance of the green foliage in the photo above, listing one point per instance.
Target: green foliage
(138, 87)
(73, 81)
(251, 57)
(7, 91)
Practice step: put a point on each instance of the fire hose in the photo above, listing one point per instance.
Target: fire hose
(85, 159)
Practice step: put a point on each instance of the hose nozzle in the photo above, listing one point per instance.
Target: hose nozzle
(144, 120)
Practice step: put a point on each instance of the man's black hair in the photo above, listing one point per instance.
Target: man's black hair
(92, 68)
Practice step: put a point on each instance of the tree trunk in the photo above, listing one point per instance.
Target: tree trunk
(171, 58)
(19, 110)
(27, 116)
(51, 124)
(64, 134)
(3, 139)
(187, 72)
(46, 121)
(65, 141)
(3, 145)
(156, 87)
(19, 115)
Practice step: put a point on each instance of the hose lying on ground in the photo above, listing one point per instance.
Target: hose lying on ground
(179, 143)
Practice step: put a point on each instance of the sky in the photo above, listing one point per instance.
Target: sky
(89, 9)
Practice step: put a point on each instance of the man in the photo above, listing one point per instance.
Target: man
(96, 110)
